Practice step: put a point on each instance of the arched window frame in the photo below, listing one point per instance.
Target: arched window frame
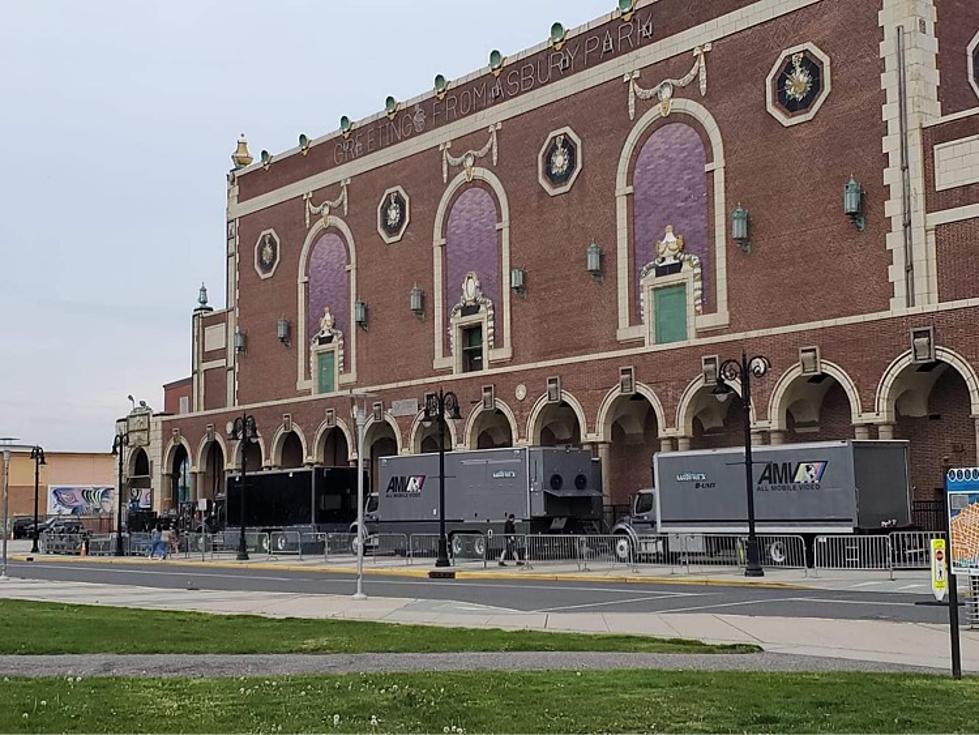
(306, 354)
(688, 112)
(492, 351)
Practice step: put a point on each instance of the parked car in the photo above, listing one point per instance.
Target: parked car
(22, 527)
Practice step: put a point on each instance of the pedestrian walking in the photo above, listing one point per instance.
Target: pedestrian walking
(510, 541)
(155, 536)
(166, 539)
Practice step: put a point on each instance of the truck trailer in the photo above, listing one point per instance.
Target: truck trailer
(836, 487)
(548, 490)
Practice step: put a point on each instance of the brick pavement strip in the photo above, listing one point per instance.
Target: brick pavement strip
(153, 666)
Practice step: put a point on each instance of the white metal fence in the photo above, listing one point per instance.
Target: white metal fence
(852, 552)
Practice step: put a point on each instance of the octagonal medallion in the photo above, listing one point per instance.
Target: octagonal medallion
(393, 215)
(798, 84)
(267, 251)
(559, 161)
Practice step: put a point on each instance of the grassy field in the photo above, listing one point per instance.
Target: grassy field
(633, 701)
(51, 628)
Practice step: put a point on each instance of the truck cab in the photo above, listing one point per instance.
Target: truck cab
(634, 531)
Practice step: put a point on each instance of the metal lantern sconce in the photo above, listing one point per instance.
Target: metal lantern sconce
(441, 86)
(740, 228)
(266, 160)
(282, 331)
(241, 342)
(202, 304)
(626, 9)
(303, 143)
(391, 107)
(496, 62)
(346, 126)
(360, 315)
(593, 260)
(518, 281)
(558, 36)
(853, 195)
(416, 301)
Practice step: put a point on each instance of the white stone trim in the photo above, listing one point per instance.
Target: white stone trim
(532, 436)
(215, 337)
(771, 104)
(458, 324)
(340, 425)
(392, 239)
(884, 400)
(390, 421)
(202, 448)
(948, 216)
(603, 425)
(235, 466)
(923, 107)
(492, 353)
(624, 190)
(211, 366)
(278, 254)
(579, 162)
(957, 163)
(777, 412)
(470, 427)
(684, 42)
(304, 383)
(973, 72)
(279, 440)
(170, 451)
(951, 118)
(711, 342)
(652, 283)
(416, 434)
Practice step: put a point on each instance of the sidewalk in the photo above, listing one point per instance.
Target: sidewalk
(908, 582)
(906, 644)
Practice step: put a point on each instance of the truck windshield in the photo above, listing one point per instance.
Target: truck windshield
(644, 503)
(371, 504)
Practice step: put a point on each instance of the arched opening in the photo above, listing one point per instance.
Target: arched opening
(213, 477)
(252, 457)
(713, 423)
(140, 482)
(180, 478)
(633, 434)
(379, 442)
(816, 408)
(329, 327)
(558, 426)
(334, 449)
(140, 464)
(492, 430)
(932, 410)
(292, 451)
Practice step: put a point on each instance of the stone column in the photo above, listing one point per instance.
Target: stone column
(976, 419)
(757, 438)
(666, 444)
(776, 438)
(861, 432)
(885, 431)
(603, 450)
(683, 444)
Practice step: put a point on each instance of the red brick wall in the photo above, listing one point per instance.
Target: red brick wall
(957, 246)
(173, 392)
(215, 388)
(958, 22)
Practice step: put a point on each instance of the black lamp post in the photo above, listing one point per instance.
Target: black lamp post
(37, 454)
(438, 407)
(243, 429)
(744, 370)
(119, 442)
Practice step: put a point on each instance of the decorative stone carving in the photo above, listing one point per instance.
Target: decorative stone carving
(559, 161)
(325, 209)
(798, 84)
(328, 337)
(393, 215)
(664, 90)
(469, 159)
(267, 250)
(671, 258)
(473, 302)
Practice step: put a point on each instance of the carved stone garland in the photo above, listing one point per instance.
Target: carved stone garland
(472, 296)
(670, 252)
(325, 209)
(328, 335)
(665, 89)
(468, 159)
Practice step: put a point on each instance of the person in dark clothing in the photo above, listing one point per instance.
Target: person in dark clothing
(510, 541)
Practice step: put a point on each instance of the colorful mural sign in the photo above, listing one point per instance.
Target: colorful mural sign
(81, 500)
(962, 486)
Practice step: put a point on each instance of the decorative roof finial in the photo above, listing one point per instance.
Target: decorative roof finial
(241, 157)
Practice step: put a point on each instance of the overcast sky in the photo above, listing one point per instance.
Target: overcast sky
(118, 120)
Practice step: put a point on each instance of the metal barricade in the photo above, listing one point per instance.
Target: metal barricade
(342, 545)
(285, 543)
(102, 545)
(912, 549)
(972, 604)
(864, 553)
(782, 552)
(422, 547)
(62, 543)
(556, 548)
(137, 544)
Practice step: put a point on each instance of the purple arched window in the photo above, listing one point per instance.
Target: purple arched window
(329, 284)
(471, 245)
(671, 189)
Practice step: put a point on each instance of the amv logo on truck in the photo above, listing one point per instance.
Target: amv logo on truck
(792, 476)
(405, 486)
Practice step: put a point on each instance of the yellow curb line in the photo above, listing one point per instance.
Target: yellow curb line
(422, 573)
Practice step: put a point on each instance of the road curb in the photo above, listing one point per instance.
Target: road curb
(422, 572)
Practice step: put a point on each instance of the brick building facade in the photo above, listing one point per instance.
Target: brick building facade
(552, 239)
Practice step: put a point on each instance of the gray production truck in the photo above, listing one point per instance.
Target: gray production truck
(549, 490)
(836, 487)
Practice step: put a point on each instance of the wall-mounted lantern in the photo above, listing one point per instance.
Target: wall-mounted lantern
(416, 301)
(558, 36)
(740, 229)
(593, 260)
(626, 9)
(303, 143)
(346, 126)
(282, 331)
(853, 195)
(241, 341)
(518, 280)
(266, 160)
(441, 86)
(391, 107)
(360, 314)
(496, 62)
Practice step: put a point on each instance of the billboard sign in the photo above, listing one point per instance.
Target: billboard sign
(962, 490)
(81, 500)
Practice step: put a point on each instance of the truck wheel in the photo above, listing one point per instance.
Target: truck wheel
(623, 549)
(457, 545)
(281, 542)
(479, 546)
(355, 543)
(777, 552)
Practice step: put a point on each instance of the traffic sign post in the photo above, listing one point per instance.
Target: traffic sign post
(962, 552)
(939, 569)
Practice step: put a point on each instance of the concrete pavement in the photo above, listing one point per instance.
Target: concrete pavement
(904, 644)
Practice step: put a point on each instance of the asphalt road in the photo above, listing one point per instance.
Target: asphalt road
(525, 596)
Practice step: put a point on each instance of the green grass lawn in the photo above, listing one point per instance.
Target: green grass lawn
(635, 701)
(51, 628)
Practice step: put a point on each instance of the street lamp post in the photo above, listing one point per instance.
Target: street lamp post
(744, 370)
(243, 429)
(119, 442)
(37, 454)
(439, 406)
(360, 421)
(7, 443)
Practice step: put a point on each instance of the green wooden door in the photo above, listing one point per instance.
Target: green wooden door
(670, 308)
(326, 362)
